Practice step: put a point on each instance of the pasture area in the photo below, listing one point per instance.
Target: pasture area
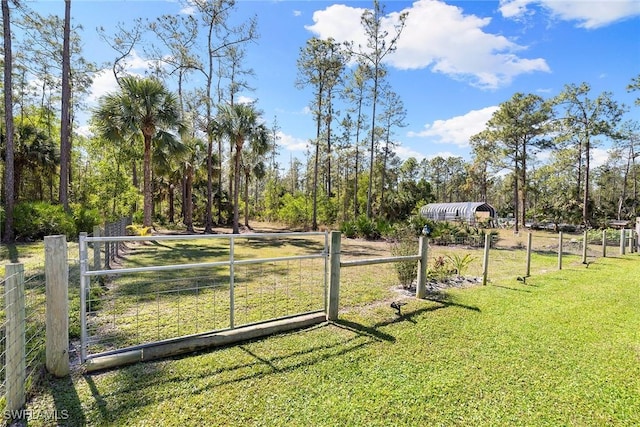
(561, 349)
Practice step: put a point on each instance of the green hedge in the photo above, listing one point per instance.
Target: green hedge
(34, 220)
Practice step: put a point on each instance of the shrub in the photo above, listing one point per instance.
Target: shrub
(407, 270)
(417, 223)
(34, 220)
(84, 218)
(139, 230)
(460, 263)
(366, 228)
(349, 229)
(440, 269)
(295, 210)
(138, 216)
(383, 227)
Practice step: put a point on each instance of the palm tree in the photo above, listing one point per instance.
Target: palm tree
(241, 124)
(253, 162)
(167, 155)
(145, 106)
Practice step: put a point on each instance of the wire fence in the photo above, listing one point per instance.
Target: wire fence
(23, 300)
(166, 287)
(458, 261)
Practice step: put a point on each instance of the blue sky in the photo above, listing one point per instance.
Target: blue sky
(455, 63)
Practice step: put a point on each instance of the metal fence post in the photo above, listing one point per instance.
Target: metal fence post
(485, 259)
(57, 285)
(560, 244)
(334, 276)
(84, 291)
(15, 373)
(421, 287)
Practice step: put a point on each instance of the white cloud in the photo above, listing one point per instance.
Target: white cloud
(404, 153)
(291, 143)
(457, 130)
(437, 36)
(245, 100)
(589, 14)
(598, 157)
(103, 83)
(297, 13)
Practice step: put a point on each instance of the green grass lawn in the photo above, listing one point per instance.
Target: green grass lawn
(564, 349)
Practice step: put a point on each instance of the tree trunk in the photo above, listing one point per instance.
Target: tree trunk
(373, 139)
(523, 185)
(246, 198)
(9, 182)
(207, 221)
(148, 196)
(585, 208)
(236, 186)
(355, 186)
(65, 132)
(188, 200)
(171, 204)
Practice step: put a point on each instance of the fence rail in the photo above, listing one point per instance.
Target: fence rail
(132, 306)
(223, 286)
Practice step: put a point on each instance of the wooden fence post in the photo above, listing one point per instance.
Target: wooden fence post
(485, 259)
(15, 371)
(529, 242)
(57, 328)
(560, 241)
(421, 287)
(604, 243)
(584, 247)
(334, 276)
(622, 237)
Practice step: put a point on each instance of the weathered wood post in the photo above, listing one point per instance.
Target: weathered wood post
(622, 237)
(584, 246)
(485, 259)
(604, 243)
(15, 373)
(334, 276)
(97, 249)
(560, 242)
(529, 241)
(57, 326)
(421, 287)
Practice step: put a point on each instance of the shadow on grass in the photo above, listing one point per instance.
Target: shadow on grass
(510, 288)
(146, 383)
(373, 331)
(447, 301)
(368, 331)
(67, 408)
(271, 242)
